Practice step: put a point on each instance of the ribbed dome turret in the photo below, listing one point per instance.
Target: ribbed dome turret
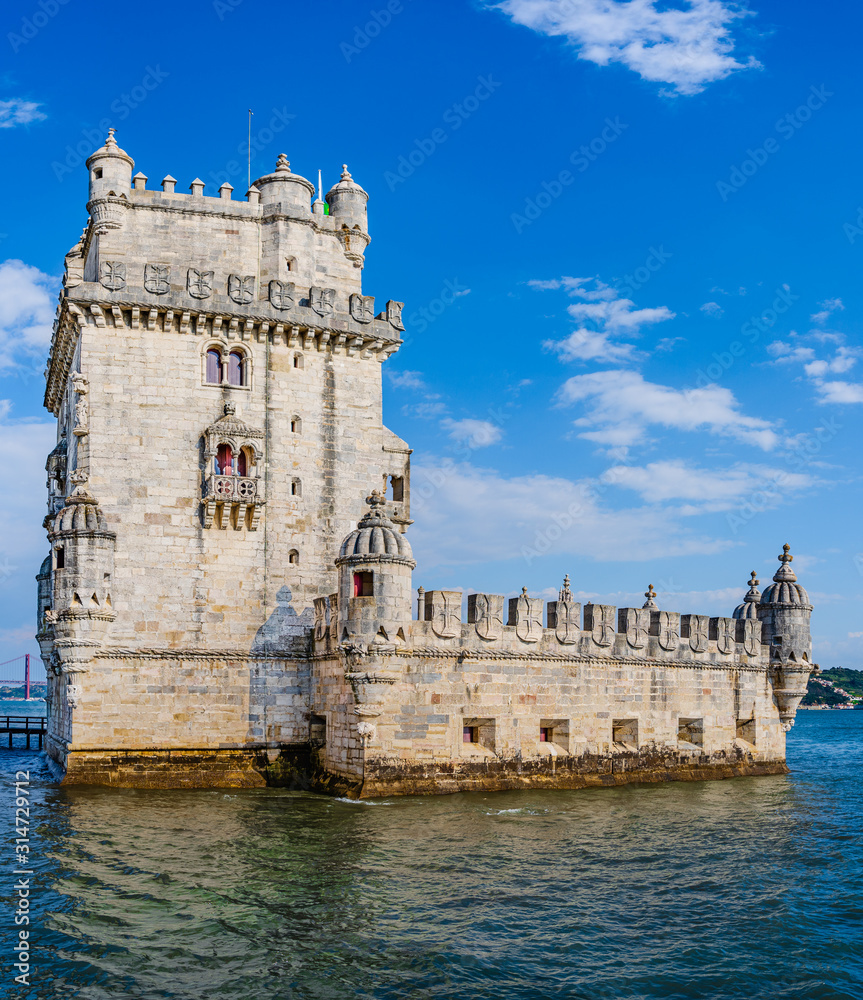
(785, 589)
(749, 607)
(375, 535)
(285, 187)
(110, 148)
(81, 513)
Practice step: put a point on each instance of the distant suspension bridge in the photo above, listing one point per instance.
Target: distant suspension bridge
(17, 671)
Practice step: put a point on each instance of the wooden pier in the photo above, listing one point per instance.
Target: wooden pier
(24, 725)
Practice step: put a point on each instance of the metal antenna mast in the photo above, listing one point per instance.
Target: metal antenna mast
(250, 149)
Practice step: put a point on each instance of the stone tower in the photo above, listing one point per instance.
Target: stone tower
(215, 372)
(375, 564)
(784, 612)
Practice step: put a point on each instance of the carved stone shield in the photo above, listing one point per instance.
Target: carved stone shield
(722, 630)
(394, 314)
(445, 612)
(362, 308)
(241, 289)
(599, 621)
(112, 274)
(320, 618)
(635, 622)
(485, 611)
(282, 294)
(666, 626)
(751, 636)
(199, 283)
(156, 278)
(322, 300)
(697, 629)
(333, 603)
(567, 623)
(528, 618)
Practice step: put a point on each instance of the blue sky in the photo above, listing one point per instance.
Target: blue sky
(628, 236)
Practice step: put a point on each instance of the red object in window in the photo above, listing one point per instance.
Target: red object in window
(235, 368)
(467, 735)
(544, 735)
(224, 460)
(214, 367)
(242, 464)
(364, 585)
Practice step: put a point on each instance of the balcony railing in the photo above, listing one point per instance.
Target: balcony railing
(234, 489)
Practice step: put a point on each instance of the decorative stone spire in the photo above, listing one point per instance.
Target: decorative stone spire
(650, 594)
(565, 592)
(749, 607)
(376, 499)
(283, 166)
(111, 141)
(785, 574)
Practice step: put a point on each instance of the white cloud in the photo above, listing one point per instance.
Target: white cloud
(591, 345)
(406, 380)
(840, 392)
(816, 369)
(473, 433)
(24, 544)
(27, 298)
(610, 316)
(828, 306)
(707, 490)
(465, 515)
(713, 309)
(19, 112)
(623, 405)
(687, 48)
(424, 411)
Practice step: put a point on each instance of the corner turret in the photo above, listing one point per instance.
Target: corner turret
(348, 207)
(293, 192)
(375, 564)
(749, 607)
(784, 613)
(110, 170)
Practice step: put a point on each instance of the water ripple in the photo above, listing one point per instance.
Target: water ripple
(723, 890)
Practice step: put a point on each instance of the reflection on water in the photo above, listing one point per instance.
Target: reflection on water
(721, 890)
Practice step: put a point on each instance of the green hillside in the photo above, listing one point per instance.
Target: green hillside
(837, 686)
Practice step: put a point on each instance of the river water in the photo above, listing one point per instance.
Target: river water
(751, 888)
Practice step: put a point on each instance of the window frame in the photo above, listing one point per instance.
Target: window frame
(225, 351)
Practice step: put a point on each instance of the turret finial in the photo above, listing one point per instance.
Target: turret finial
(565, 592)
(111, 141)
(650, 594)
(785, 574)
(284, 164)
(524, 591)
(346, 174)
(376, 499)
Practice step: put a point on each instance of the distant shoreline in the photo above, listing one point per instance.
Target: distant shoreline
(830, 708)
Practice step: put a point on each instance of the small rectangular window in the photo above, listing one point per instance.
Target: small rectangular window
(690, 734)
(746, 730)
(59, 557)
(469, 735)
(364, 585)
(398, 488)
(624, 734)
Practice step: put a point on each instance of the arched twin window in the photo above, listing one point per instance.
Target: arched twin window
(234, 367)
(228, 464)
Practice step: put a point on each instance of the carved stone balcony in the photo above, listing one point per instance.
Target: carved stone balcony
(231, 497)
